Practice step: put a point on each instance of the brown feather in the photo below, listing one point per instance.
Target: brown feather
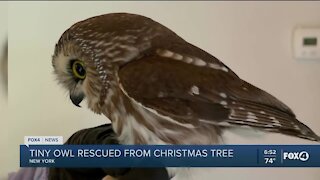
(164, 84)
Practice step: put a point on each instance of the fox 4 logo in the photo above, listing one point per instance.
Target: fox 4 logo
(302, 156)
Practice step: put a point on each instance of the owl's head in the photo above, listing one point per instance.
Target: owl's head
(74, 72)
(89, 53)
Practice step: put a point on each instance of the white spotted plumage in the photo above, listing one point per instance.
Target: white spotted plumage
(189, 59)
(195, 90)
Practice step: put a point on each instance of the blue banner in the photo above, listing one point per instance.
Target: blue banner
(170, 156)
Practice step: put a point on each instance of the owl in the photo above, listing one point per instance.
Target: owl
(157, 88)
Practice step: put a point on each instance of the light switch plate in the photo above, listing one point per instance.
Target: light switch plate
(306, 43)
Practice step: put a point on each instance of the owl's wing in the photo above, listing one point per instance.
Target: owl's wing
(196, 94)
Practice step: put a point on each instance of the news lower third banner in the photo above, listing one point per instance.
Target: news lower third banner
(170, 155)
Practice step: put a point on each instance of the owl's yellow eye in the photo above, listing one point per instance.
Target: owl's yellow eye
(78, 69)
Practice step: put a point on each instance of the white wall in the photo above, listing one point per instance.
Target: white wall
(3, 98)
(253, 38)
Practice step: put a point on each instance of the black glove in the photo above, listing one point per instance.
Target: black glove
(103, 135)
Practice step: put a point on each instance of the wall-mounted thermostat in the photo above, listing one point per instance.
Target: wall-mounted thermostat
(306, 43)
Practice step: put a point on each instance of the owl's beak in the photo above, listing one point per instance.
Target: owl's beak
(76, 99)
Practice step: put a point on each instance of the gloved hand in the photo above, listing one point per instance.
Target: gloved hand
(103, 135)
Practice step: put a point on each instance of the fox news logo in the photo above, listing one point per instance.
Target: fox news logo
(302, 156)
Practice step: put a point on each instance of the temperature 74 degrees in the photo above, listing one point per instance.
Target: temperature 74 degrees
(269, 160)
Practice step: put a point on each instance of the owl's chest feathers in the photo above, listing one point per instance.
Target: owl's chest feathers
(131, 124)
(137, 124)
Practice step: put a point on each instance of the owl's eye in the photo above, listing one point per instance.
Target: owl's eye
(78, 69)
